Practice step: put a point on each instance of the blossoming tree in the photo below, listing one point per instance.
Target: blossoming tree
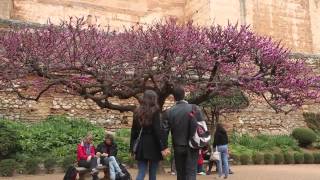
(100, 64)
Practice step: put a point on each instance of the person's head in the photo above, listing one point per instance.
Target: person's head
(222, 126)
(149, 105)
(89, 138)
(108, 139)
(178, 93)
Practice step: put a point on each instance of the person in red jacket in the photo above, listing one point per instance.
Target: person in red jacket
(86, 156)
(200, 162)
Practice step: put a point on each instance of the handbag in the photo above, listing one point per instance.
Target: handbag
(215, 156)
(136, 142)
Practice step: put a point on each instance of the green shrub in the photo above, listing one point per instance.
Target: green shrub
(298, 158)
(268, 158)
(257, 158)
(308, 158)
(312, 120)
(252, 143)
(8, 139)
(245, 159)
(68, 161)
(21, 158)
(264, 142)
(304, 136)
(316, 158)
(7, 167)
(32, 166)
(56, 132)
(49, 165)
(288, 158)
(235, 158)
(278, 158)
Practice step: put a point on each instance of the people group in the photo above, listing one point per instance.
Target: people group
(106, 152)
(149, 142)
(150, 132)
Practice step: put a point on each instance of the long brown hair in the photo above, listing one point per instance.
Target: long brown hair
(149, 106)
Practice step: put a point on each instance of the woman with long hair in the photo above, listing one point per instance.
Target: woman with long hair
(146, 141)
(221, 143)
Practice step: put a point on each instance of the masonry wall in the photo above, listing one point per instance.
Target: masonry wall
(295, 22)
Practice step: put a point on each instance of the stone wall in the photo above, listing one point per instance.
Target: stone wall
(295, 22)
(11, 107)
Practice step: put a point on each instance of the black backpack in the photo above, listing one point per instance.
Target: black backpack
(125, 171)
(71, 173)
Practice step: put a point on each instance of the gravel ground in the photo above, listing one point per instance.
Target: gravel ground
(263, 172)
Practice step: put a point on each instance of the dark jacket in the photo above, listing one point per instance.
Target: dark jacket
(112, 149)
(150, 145)
(177, 119)
(220, 137)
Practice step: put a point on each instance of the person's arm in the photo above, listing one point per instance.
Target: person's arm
(114, 150)
(81, 153)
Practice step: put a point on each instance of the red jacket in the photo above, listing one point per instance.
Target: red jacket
(81, 151)
(200, 158)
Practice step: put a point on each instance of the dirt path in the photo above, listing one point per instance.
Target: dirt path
(272, 172)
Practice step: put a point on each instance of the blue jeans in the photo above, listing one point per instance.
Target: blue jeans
(143, 166)
(223, 164)
(113, 166)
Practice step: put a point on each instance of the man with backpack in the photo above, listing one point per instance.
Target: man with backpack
(188, 135)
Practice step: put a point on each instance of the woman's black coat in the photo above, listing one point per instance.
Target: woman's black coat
(150, 145)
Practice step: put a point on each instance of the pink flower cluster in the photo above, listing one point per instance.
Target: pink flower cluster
(99, 63)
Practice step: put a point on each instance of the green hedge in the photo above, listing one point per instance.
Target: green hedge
(288, 158)
(7, 167)
(278, 158)
(8, 139)
(299, 158)
(268, 158)
(245, 159)
(305, 136)
(316, 158)
(258, 158)
(308, 158)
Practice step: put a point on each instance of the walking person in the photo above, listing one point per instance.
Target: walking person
(107, 151)
(86, 156)
(146, 142)
(221, 142)
(177, 120)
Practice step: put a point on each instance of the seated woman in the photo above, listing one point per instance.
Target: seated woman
(107, 150)
(86, 156)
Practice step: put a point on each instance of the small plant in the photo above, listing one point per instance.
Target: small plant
(268, 158)
(49, 165)
(304, 136)
(8, 139)
(288, 158)
(316, 158)
(67, 161)
(245, 159)
(32, 166)
(278, 158)
(308, 158)
(7, 167)
(257, 158)
(298, 158)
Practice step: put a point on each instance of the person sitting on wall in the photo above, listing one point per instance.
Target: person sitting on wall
(107, 151)
(86, 156)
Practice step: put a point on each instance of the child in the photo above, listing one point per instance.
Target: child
(200, 162)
